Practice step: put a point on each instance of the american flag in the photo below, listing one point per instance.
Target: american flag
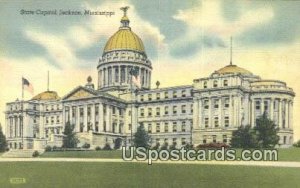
(27, 85)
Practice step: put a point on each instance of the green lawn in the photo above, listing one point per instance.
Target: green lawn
(84, 154)
(290, 154)
(75, 174)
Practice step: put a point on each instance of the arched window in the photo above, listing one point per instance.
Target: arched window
(225, 83)
(205, 84)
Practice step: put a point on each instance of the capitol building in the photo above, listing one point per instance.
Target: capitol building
(207, 111)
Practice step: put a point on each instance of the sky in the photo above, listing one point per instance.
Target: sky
(185, 40)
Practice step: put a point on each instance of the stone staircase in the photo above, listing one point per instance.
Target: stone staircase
(26, 153)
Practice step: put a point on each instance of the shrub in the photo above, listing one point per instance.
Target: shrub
(107, 147)
(156, 147)
(54, 148)
(98, 148)
(35, 154)
(188, 146)
(164, 147)
(212, 145)
(173, 146)
(86, 146)
(297, 144)
(48, 148)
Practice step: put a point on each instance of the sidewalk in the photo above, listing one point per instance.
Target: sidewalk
(236, 163)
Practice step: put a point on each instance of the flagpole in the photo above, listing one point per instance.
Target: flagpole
(22, 121)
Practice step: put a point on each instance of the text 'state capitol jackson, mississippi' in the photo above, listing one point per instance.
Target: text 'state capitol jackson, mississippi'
(204, 112)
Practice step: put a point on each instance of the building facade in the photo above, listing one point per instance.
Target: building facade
(206, 111)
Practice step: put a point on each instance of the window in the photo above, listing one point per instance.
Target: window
(34, 107)
(183, 93)
(157, 96)
(257, 105)
(166, 110)
(224, 138)
(183, 126)
(192, 108)
(142, 113)
(157, 127)
(174, 141)
(97, 110)
(215, 83)
(216, 103)
(52, 107)
(129, 126)
(284, 140)
(166, 127)
(166, 95)
(149, 128)
(57, 119)
(206, 122)
(226, 121)
(204, 139)
(216, 121)
(205, 84)
(225, 83)
(113, 111)
(142, 97)
(174, 126)
(149, 111)
(174, 94)
(157, 111)
(34, 120)
(266, 105)
(174, 109)
(157, 141)
(149, 97)
(214, 139)
(206, 105)
(183, 141)
(226, 103)
(183, 109)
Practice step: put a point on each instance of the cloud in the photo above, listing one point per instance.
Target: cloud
(208, 27)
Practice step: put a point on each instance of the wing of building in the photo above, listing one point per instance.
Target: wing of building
(206, 111)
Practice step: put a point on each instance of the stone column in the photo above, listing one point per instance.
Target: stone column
(108, 123)
(280, 113)
(291, 115)
(272, 109)
(231, 111)
(93, 117)
(220, 113)
(286, 114)
(85, 118)
(210, 120)
(200, 114)
(262, 106)
(253, 113)
(78, 119)
(196, 124)
(101, 117)
(113, 76)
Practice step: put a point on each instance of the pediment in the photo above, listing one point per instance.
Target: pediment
(79, 93)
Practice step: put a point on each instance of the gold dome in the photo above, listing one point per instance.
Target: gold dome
(231, 69)
(47, 95)
(124, 39)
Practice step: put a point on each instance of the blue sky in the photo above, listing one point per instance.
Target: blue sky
(282, 28)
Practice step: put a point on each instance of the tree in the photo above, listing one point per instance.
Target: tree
(297, 144)
(141, 137)
(266, 131)
(118, 143)
(244, 137)
(3, 143)
(70, 140)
